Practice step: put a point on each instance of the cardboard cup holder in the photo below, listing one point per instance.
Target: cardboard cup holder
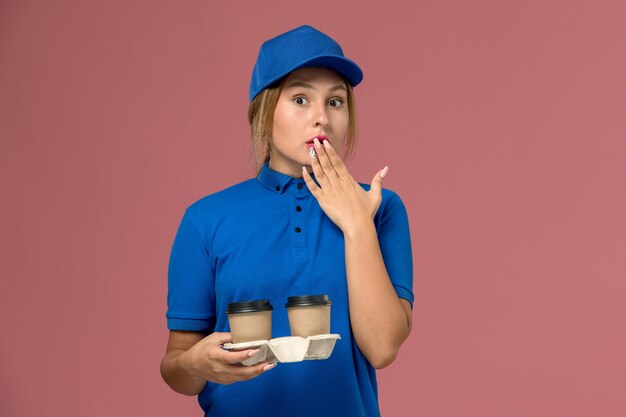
(288, 348)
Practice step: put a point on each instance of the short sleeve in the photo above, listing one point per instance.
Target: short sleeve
(191, 283)
(395, 245)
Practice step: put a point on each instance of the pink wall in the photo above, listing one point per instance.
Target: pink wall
(502, 122)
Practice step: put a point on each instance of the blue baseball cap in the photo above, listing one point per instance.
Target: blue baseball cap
(301, 47)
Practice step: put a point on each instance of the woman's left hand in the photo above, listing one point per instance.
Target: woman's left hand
(343, 199)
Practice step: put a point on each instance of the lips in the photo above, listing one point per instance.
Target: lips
(320, 138)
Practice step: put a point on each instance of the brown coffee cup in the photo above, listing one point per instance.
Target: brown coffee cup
(250, 320)
(309, 315)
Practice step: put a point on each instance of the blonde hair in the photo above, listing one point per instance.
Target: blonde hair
(261, 120)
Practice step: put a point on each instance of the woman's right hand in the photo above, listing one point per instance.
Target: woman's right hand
(206, 360)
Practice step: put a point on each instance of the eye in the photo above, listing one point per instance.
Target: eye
(300, 100)
(335, 102)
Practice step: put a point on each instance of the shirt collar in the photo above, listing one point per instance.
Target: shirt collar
(276, 181)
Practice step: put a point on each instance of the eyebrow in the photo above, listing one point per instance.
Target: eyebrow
(309, 86)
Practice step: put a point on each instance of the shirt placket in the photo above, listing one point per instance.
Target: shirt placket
(298, 220)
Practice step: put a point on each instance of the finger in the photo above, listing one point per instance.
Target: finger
(377, 181)
(329, 169)
(340, 167)
(264, 367)
(308, 180)
(230, 357)
(319, 171)
(240, 372)
(253, 370)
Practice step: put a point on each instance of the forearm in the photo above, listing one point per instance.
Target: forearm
(176, 374)
(378, 320)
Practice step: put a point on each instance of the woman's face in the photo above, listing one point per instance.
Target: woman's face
(313, 102)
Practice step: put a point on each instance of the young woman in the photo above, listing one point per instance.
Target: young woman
(302, 226)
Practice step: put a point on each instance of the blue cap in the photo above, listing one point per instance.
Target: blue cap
(301, 47)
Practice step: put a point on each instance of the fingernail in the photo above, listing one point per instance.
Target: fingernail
(384, 172)
(317, 143)
(253, 352)
(268, 367)
(327, 144)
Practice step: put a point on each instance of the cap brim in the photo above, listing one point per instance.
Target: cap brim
(344, 66)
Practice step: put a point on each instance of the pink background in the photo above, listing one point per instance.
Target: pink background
(503, 123)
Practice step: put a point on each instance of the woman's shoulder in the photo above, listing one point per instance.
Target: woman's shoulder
(225, 199)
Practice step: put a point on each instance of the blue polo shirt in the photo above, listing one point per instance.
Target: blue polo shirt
(268, 238)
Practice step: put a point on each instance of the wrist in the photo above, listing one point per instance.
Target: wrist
(358, 228)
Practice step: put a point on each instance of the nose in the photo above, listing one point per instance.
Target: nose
(320, 116)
